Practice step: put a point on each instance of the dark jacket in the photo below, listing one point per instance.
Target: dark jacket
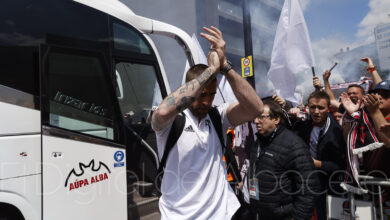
(331, 150)
(284, 170)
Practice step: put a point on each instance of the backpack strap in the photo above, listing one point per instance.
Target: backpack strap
(227, 151)
(174, 134)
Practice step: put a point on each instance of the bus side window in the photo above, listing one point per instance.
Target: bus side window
(79, 95)
(140, 90)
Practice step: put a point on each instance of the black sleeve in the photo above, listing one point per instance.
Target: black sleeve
(337, 148)
(306, 181)
(341, 108)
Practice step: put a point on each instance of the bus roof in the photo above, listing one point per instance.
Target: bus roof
(120, 11)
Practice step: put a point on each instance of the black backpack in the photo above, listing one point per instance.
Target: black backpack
(174, 134)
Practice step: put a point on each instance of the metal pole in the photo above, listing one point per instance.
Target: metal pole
(373, 201)
(248, 39)
(352, 205)
(380, 201)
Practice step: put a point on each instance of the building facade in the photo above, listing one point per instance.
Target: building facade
(253, 36)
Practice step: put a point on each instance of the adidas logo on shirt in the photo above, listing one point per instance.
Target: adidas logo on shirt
(189, 129)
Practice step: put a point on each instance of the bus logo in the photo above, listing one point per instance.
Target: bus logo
(90, 180)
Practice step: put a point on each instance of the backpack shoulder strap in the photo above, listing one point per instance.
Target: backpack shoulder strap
(217, 122)
(174, 134)
(231, 162)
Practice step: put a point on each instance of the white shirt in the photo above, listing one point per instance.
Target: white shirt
(195, 184)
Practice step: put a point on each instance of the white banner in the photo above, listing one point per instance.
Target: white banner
(292, 52)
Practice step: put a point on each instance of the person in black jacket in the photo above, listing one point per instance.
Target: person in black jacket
(282, 170)
(327, 147)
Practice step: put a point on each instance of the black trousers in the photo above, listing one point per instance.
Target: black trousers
(320, 205)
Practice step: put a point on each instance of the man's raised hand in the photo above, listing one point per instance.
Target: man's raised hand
(349, 106)
(279, 100)
(326, 75)
(317, 83)
(217, 42)
(371, 102)
(369, 62)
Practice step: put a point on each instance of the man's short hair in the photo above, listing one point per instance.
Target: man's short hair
(357, 86)
(275, 111)
(195, 71)
(319, 95)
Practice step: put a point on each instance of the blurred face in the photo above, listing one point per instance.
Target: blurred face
(384, 105)
(337, 116)
(264, 124)
(202, 104)
(319, 110)
(355, 94)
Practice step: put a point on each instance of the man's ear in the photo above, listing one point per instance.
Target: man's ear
(277, 120)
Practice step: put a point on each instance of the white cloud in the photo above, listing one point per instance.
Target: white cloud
(323, 50)
(378, 13)
(304, 4)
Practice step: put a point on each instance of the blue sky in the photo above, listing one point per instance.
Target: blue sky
(340, 18)
(338, 24)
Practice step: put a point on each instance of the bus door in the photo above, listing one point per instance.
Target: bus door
(140, 87)
(141, 92)
(83, 153)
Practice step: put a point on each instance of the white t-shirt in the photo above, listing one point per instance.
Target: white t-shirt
(195, 184)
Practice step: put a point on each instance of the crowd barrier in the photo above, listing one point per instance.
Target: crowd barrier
(365, 207)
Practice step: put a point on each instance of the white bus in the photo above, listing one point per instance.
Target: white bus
(69, 72)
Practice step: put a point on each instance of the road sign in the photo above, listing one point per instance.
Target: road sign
(246, 66)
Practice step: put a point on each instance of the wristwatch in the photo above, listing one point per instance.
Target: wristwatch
(226, 68)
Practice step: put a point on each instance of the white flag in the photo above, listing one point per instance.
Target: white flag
(291, 53)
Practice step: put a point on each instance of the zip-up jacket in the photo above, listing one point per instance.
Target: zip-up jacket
(331, 149)
(286, 181)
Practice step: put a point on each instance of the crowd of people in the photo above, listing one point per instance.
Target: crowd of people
(287, 164)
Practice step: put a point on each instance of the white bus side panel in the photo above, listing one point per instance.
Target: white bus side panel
(24, 193)
(20, 156)
(82, 181)
(15, 120)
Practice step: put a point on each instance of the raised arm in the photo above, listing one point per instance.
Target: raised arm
(184, 96)
(385, 128)
(317, 83)
(328, 90)
(371, 69)
(249, 104)
(350, 108)
(372, 105)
